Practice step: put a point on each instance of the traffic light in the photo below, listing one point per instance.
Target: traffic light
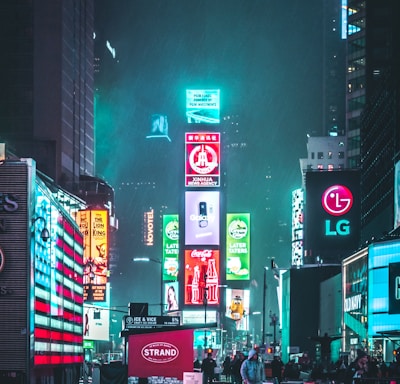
(209, 350)
(270, 350)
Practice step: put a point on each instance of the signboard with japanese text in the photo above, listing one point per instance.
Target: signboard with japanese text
(238, 246)
(202, 159)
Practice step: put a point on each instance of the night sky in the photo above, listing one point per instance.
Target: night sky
(266, 58)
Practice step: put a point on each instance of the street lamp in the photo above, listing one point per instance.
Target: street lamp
(263, 312)
(44, 234)
(147, 260)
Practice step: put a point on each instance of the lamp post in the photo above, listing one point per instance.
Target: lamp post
(205, 302)
(263, 312)
(274, 320)
(147, 260)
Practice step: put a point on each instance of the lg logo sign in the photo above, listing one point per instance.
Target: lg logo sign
(337, 200)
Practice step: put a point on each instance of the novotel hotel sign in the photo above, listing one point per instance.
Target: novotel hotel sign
(332, 215)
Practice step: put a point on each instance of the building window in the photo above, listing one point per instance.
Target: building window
(320, 155)
(330, 155)
(312, 155)
(341, 155)
(320, 167)
(330, 167)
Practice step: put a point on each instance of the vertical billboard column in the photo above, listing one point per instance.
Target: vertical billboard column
(238, 246)
(94, 226)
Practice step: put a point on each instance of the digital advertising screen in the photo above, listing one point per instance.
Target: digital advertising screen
(202, 218)
(93, 224)
(238, 307)
(384, 287)
(202, 150)
(203, 106)
(355, 297)
(171, 296)
(58, 295)
(397, 195)
(170, 263)
(158, 127)
(238, 246)
(332, 215)
(202, 276)
(96, 320)
(297, 226)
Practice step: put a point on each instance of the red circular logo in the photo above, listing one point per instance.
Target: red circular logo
(337, 200)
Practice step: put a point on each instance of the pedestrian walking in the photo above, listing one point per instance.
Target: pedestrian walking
(252, 369)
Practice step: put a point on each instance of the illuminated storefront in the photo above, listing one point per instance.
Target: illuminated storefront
(371, 300)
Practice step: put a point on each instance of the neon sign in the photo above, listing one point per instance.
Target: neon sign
(337, 200)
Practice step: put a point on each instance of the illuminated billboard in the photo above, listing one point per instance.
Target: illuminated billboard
(170, 262)
(171, 296)
(202, 150)
(203, 106)
(201, 276)
(202, 218)
(397, 195)
(238, 307)
(94, 227)
(297, 226)
(96, 324)
(332, 216)
(238, 246)
(159, 127)
(57, 295)
(384, 287)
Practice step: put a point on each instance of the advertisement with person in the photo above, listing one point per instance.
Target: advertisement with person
(238, 246)
(202, 218)
(202, 159)
(171, 298)
(201, 276)
(238, 307)
(166, 354)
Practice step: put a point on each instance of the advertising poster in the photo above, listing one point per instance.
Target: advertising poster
(202, 156)
(159, 127)
(383, 287)
(203, 106)
(397, 195)
(93, 225)
(171, 291)
(332, 215)
(201, 276)
(238, 307)
(238, 246)
(202, 218)
(96, 320)
(166, 354)
(170, 247)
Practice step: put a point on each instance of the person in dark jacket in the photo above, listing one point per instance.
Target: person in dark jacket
(208, 366)
(235, 368)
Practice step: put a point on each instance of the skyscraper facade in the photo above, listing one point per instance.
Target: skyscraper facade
(46, 96)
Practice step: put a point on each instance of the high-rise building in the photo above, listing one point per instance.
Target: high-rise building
(379, 122)
(46, 96)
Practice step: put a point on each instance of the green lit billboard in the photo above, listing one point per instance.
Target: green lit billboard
(170, 261)
(238, 246)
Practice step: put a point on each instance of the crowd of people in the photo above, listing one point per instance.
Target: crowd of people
(251, 369)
